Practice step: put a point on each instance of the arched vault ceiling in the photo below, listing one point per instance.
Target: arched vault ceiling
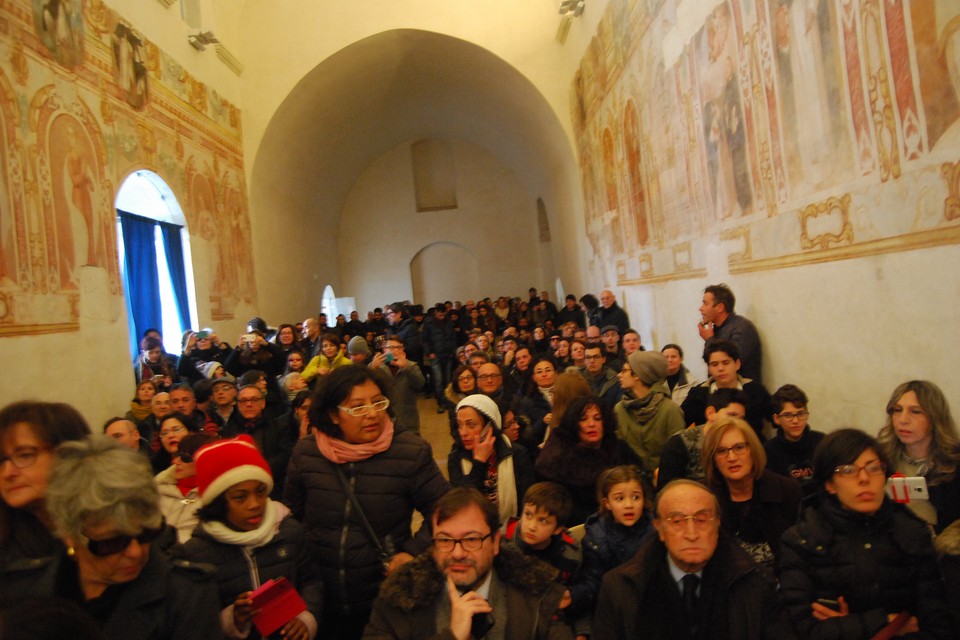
(391, 87)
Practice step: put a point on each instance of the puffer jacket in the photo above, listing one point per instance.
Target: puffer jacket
(881, 564)
(389, 486)
(180, 511)
(408, 602)
(607, 544)
(237, 569)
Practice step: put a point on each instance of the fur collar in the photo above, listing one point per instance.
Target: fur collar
(948, 542)
(418, 583)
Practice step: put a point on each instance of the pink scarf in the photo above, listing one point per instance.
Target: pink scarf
(339, 451)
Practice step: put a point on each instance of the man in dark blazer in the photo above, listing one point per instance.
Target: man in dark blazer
(691, 581)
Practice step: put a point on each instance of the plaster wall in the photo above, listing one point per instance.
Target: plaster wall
(846, 332)
(381, 232)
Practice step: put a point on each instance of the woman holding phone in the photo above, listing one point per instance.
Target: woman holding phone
(858, 564)
(920, 438)
(485, 459)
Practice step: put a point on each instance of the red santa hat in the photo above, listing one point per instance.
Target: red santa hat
(224, 463)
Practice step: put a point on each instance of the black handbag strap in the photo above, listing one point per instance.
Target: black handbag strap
(347, 489)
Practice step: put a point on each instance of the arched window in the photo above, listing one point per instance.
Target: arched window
(155, 264)
(328, 305)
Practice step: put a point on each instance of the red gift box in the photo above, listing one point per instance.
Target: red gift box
(278, 602)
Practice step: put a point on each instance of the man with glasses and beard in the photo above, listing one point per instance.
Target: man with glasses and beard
(469, 585)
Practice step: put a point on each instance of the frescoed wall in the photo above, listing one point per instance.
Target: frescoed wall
(787, 132)
(85, 100)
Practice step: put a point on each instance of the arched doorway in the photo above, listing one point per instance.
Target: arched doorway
(443, 271)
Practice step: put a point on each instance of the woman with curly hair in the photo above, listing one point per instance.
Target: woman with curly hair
(582, 446)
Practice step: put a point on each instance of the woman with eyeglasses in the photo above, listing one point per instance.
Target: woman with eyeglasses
(537, 402)
(172, 429)
(250, 539)
(756, 504)
(104, 504)
(179, 498)
(462, 383)
(857, 563)
(920, 438)
(30, 433)
(354, 486)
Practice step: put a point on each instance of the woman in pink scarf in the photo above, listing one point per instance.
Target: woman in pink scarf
(389, 471)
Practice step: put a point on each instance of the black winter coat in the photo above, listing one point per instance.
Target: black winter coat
(759, 407)
(389, 486)
(286, 555)
(773, 509)
(738, 599)
(881, 564)
(606, 545)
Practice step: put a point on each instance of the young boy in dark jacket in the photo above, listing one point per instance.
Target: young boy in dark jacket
(541, 532)
(790, 452)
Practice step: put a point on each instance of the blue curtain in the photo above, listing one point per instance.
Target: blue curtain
(141, 279)
(173, 247)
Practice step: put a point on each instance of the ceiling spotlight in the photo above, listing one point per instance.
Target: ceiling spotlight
(201, 39)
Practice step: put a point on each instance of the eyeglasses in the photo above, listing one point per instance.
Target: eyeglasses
(169, 432)
(249, 400)
(738, 450)
(23, 457)
(184, 456)
(364, 409)
(875, 468)
(700, 520)
(799, 415)
(488, 376)
(593, 357)
(465, 378)
(392, 347)
(117, 544)
(470, 543)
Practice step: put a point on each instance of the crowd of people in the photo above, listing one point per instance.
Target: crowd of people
(594, 489)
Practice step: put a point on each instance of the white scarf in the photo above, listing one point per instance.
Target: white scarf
(272, 515)
(506, 482)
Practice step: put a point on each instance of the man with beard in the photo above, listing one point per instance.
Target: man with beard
(468, 584)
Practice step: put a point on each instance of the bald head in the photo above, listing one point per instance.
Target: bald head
(607, 298)
(687, 519)
(124, 432)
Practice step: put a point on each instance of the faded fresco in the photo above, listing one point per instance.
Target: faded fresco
(782, 131)
(85, 100)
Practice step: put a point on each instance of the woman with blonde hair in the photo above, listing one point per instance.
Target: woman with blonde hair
(756, 504)
(920, 438)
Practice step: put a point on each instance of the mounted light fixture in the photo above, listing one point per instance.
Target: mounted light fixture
(569, 9)
(572, 6)
(201, 39)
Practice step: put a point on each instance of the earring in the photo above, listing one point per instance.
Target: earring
(71, 551)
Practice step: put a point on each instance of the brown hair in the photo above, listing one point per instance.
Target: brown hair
(712, 442)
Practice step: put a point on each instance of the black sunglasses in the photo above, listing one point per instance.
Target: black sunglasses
(116, 544)
(184, 456)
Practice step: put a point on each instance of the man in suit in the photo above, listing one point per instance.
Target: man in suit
(691, 581)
